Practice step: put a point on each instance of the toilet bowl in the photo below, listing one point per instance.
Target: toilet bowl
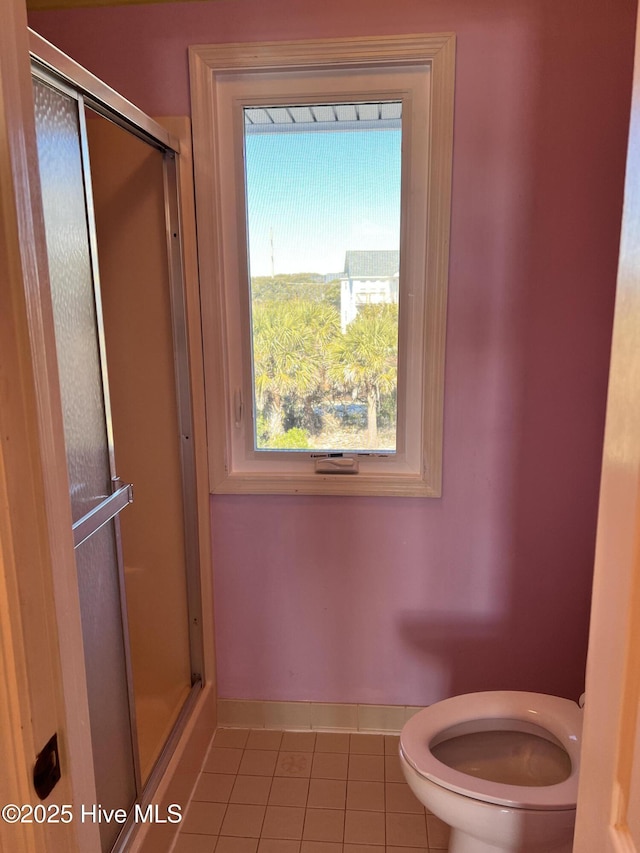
(501, 768)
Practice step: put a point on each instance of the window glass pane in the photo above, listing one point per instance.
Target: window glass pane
(323, 219)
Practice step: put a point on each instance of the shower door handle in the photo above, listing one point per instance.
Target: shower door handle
(101, 514)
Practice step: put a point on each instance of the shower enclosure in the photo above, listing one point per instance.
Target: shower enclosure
(109, 185)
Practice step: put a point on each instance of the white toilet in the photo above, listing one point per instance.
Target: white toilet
(501, 768)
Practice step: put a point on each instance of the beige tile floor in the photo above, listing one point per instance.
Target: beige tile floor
(264, 791)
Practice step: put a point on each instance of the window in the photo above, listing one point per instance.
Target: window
(323, 191)
(324, 318)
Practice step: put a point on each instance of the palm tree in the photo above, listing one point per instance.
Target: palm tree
(290, 341)
(364, 360)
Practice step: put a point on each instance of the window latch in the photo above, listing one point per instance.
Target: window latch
(334, 464)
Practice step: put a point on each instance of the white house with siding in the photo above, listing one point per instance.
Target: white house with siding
(369, 278)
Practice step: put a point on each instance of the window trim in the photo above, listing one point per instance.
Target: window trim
(210, 65)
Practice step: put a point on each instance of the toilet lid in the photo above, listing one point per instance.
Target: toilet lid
(419, 732)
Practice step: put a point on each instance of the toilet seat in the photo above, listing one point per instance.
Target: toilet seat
(560, 717)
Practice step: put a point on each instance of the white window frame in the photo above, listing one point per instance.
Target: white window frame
(417, 69)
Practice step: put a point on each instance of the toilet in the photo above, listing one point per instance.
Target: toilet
(500, 767)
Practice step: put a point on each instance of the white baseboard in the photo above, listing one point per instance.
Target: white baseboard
(242, 713)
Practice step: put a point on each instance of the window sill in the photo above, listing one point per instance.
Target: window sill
(365, 485)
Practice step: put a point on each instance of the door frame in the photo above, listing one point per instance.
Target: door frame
(608, 811)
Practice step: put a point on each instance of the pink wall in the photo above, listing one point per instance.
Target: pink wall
(407, 601)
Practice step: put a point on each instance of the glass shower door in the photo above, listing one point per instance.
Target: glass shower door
(97, 496)
(130, 189)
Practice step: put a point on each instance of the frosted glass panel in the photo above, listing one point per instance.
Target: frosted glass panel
(102, 633)
(86, 440)
(74, 311)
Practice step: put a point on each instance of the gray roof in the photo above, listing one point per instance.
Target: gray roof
(372, 264)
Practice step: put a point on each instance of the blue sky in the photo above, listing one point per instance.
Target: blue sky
(321, 193)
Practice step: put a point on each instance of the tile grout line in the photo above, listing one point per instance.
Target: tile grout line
(351, 754)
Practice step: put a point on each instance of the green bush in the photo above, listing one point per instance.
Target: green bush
(292, 438)
(262, 430)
